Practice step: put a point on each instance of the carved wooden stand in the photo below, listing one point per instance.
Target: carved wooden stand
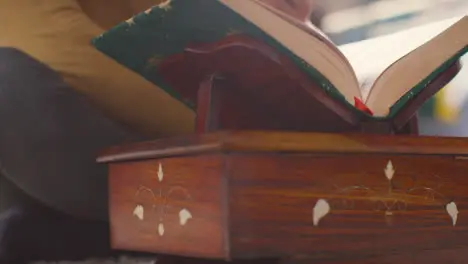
(242, 84)
(292, 197)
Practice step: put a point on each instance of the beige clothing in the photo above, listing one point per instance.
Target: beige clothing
(107, 13)
(58, 33)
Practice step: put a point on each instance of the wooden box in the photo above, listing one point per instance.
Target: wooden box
(329, 198)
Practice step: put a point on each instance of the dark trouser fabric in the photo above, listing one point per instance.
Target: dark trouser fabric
(30, 231)
(50, 137)
(10, 195)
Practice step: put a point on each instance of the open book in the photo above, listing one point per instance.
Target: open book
(407, 74)
(168, 28)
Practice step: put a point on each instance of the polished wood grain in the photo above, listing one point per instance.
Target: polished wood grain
(221, 105)
(163, 194)
(272, 200)
(295, 142)
(253, 196)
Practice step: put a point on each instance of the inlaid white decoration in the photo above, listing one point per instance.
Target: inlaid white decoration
(389, 170)
(321, 209)
(184, 216)
(452, 210)
(162, 195)
(160, 173)
(398, 195)
(161, 229)
(139, 212)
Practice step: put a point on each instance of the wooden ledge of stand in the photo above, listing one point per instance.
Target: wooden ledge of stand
(294, 142)
(299, 197)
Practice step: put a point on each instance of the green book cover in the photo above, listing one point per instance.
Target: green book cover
(142, 41)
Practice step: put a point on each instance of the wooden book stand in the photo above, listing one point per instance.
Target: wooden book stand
(239, 83)
(292, 193)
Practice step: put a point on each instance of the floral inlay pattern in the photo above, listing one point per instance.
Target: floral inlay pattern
(321, 209)
(389, 201)
(160, 202)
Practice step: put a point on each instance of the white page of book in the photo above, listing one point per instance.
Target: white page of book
(371, 57)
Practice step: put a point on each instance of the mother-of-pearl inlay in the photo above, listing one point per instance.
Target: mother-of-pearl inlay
(184, 216)
(161, 229)
(139, 212)
(452, 210)
(389, 170)
(160, 173)
(390, 201)
(160, 200)
(321, 209)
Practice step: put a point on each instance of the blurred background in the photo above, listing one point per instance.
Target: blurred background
(353, 21)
